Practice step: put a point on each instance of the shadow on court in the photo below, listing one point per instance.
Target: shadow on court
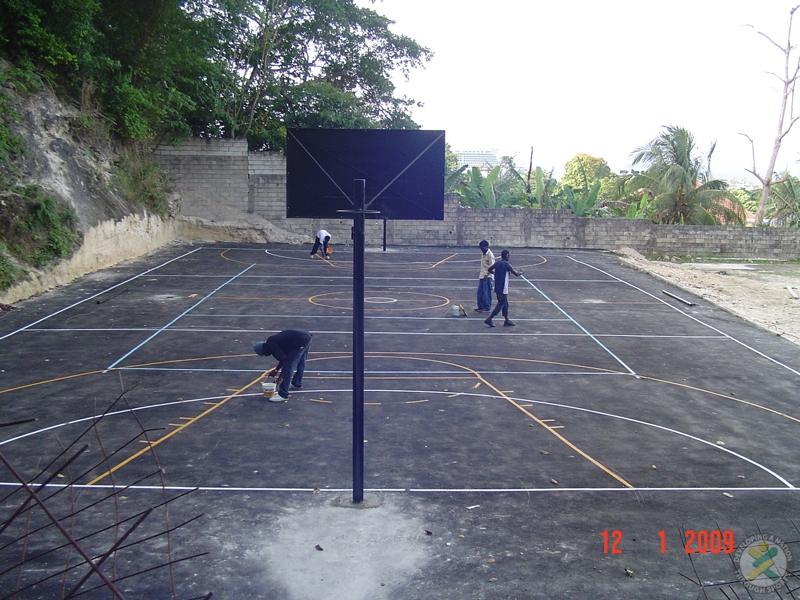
(578, 454)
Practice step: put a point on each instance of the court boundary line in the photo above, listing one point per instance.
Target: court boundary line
(98, 294)
(692, 317)
(581, 327)
(198, 303)
(315, 491)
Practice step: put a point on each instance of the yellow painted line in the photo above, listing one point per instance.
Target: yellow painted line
(732, 398)
(556, 427)
(416, 401)
(372, 403)
(211, 403)
(180, 427)
(176, 424)
(558, 435)
(543, 420)
(477, 385)
(444, 260)
(454, 395)
(323, 401)
(186, 418)
(514, 403)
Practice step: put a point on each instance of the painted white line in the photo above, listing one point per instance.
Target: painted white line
(437, 392)
(581, 327)
(416, 373)
(311, 490)
(692, 317)
(206, 297)
(98, 294)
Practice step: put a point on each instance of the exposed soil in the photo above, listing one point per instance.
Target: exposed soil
(755, 291)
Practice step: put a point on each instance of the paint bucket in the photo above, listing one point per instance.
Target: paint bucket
(268, 387)
(455, 310)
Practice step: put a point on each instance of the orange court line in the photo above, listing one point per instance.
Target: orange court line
(178, 428)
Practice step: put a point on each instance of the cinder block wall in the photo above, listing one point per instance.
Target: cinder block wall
(222, 171)
(210, 170)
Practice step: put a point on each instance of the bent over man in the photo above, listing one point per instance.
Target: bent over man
(290, 347)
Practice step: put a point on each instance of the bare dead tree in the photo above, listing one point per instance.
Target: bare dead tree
(788, 79)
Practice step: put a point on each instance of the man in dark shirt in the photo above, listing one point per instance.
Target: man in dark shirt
(501, 269)
(290, 347)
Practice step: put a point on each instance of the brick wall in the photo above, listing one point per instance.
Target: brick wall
(222, 171)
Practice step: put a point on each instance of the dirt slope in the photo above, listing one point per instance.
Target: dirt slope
(756, 292)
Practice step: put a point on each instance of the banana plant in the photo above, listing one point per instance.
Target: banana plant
(480, 192)
(584, 202)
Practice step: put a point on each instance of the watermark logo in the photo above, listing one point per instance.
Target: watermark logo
(763, 563)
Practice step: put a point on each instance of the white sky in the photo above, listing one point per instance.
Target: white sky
(599, 77)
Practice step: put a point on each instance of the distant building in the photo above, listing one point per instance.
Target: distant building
(483, 159)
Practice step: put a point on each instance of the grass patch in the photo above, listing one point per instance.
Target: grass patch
(9, 274)
(141, 182)
(35, 229)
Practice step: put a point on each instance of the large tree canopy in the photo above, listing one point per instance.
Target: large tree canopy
(235, 68)
(679, 182)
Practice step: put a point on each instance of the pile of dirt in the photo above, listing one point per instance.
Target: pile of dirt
(758, 292)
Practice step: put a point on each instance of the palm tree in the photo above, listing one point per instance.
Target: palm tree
(680, 182)
(784, 207)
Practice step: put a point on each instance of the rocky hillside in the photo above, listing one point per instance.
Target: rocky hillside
(73, 200)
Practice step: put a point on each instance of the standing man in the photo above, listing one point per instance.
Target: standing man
(322, 239)
(501, 269)
(290, 347)
(486, 279)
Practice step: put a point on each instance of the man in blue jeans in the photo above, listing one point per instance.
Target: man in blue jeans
(290, 347)
(486, 279)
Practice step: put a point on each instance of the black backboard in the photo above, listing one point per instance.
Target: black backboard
(403, 170)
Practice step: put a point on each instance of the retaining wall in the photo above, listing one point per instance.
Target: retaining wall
(211, 172)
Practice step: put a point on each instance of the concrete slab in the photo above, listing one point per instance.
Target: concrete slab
(503, 463)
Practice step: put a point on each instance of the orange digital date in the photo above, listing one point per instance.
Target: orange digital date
(699, 541)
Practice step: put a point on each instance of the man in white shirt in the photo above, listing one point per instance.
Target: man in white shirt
(322, 239)
(486, 279)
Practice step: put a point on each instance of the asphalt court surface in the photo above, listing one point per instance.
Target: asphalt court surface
(610, 406)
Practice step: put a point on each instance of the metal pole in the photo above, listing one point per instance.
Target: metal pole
(384, 233)
(358, 341)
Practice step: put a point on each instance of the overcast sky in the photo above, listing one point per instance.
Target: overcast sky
(600, 78)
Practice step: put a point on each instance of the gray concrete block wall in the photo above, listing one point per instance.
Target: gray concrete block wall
(222, 171)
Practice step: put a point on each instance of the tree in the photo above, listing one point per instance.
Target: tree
(784, 209)
(788, 79)
(295, 56)
(236, 68)
(582, 170)
(680, 182)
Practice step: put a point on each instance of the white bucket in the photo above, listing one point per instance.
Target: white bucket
(455, 310)
(268, 387)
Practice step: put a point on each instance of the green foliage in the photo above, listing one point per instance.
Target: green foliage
(141, 181)
(9, 274)
(784, 209)
(236, 68)
(583, 202)
(582, 170)
(680, 182)
(35, 228)
(21, 80)
(479, 191)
